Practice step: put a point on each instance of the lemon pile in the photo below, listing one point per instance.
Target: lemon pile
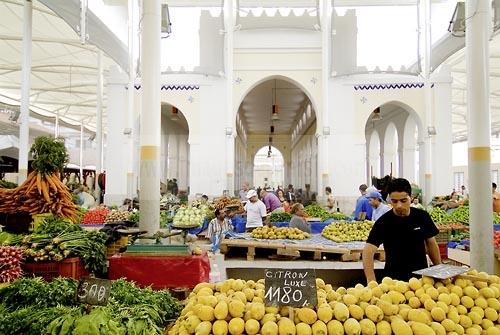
(274, 233)
(419, 307)
(345, 231)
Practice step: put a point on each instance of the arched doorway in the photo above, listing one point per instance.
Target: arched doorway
(278, 113)
(374, 155)
(398, 130)
(174, 154)
(268, 168)
(390, 153)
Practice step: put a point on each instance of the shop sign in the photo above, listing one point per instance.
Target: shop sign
(294, 288)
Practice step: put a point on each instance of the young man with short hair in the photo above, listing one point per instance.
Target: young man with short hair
(407, 234)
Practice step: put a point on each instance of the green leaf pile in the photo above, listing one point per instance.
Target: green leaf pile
(33, 306)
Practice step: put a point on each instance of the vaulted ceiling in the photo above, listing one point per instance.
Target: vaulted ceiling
(256, 109)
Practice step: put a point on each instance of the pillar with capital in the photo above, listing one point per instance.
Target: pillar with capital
(117, 148)
(442, 141)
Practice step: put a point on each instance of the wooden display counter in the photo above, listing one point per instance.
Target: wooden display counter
(316, 248)
(337, 273)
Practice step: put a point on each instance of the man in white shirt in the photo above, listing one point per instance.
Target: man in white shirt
(379, 208)
(256, 211)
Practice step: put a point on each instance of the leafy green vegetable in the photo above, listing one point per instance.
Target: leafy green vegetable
(7, 184)
(336, 216)
(33, 306)
(127, 294)
(316, 211)
(54, 225)
(280, 217)
(10, 239)
(49, 155)
(36, 292)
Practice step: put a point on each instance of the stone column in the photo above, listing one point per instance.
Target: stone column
(442, 154)
(479, 123)
(117, 149)
(24, 117)
(149, 186)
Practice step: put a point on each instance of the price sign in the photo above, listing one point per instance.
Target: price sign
(294, 288)
(93, 291)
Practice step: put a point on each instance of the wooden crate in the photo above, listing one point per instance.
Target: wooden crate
(275, 249)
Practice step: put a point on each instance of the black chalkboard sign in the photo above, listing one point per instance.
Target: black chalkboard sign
(93, 291)
(442, 271)
(294, 288)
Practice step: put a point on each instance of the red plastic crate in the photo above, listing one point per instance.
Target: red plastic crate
(70, 268)
(443, 250)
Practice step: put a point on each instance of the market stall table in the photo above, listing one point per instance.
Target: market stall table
(161, 271)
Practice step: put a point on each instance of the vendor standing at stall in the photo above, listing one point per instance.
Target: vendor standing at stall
(256, 211)
(218, 226)
(297, 220)
(271, 201)
(407, 234)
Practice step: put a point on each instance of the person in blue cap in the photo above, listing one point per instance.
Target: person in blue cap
(363, 209)
(379, 208)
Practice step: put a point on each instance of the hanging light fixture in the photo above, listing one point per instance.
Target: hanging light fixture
(376, 114)
(275, 109)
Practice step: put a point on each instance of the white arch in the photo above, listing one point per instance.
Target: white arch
(240, 96)
(175, 148)
(272, 168)
(390, 150)
(374, 155)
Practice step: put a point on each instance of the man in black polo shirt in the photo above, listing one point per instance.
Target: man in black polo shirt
(406, 234)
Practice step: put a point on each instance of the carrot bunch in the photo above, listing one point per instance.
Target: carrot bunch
(40, 193)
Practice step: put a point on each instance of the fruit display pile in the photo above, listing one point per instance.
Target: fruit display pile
(438, 215)
(461, 214)
(275, 233)
(348, 231)
(496, 239)
(10, 263)
(169, 199)
(117, 216)
(223, 202)
(419, 306)
(190, 216)
(496, 218)
(280, 217)
(316, 211)
(42, 191)
(337, 216)
(34, 307)
(95, 216)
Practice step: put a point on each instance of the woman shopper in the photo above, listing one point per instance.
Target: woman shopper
(298, 220)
